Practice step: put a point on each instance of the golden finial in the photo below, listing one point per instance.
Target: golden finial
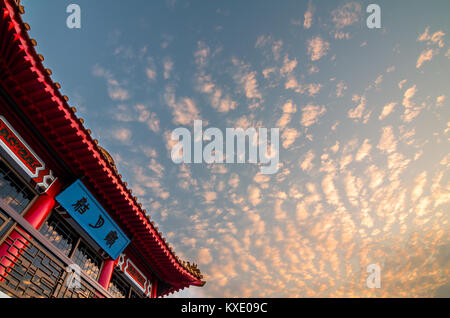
(108, 158)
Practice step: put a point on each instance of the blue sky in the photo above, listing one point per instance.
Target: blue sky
(364, 126)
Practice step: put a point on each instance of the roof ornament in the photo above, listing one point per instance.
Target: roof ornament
(108, 158)
(193, 268)
(20, 7)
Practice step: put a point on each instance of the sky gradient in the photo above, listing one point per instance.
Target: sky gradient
(364, 134)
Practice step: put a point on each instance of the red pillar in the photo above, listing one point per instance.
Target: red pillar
(154, 292)
(106, 274)
(44, 204)
(36, 215)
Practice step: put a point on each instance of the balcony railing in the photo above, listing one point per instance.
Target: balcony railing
(39, 269)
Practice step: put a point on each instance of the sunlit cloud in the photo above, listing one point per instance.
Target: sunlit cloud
(426, 55)
(308, 16)
(123, 134)
(387, 141)
(357, 112)
(223, 103)
(440, 100)
(184, 110)
(151, 73)
(288, 110)
(341, 87)
(254, 195)
(387, 109)
(310, 114)
(247, 80)
(204, 256)
(288, 65)
(210, 196)
(363, 151)
(346, 15)
(436, 38)
(115, 91)
(401, 83)
(289, 136)
(317, 48)
(306, 163)
(168, 67)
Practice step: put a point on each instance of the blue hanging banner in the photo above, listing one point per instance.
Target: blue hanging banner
(90, 215)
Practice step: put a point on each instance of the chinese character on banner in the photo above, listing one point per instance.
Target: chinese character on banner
(111, 238)
(99, 223)
(81, 205)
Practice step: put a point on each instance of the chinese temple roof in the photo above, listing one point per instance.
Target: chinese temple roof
(29, 84)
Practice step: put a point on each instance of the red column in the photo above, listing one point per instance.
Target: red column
(106, 274)
(36, 215)
(154, 292)
(44, 204)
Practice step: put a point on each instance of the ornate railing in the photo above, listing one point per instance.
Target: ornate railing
(39, 269)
